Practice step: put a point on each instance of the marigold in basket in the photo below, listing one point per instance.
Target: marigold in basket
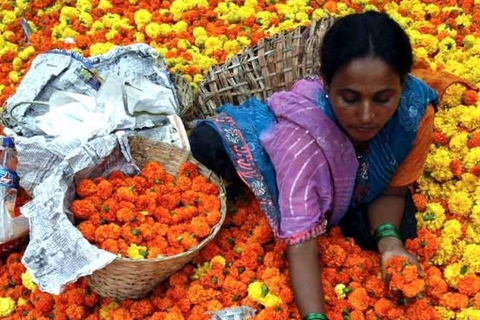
(150, 215)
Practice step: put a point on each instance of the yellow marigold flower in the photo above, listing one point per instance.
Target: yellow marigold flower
(17, 64)
(105, 310)
(111, 34)
(218, 259)
(132, 2)
(429, 187)
(438, 165)
(68, 12)
(212, 44)
(105, 4)
(178, 7)
(244, 41)
(180, 26)
(471, 257)
(318, 14)
(199, 32)
(27, 281)
(137, 252)
(340, 291)
(433, 217)
(453, 273)
(301, 16)
(472, 235)
(452, 230)
(162, 50)
(9, 17)
(84, 5)
(198, 78)
(184, 44)
(445, 252)
(468, 41)
(101, 48)
(259, 292)
(26, 53)
(7, 306)
(468, 314)
(232, 46)
(463, 21)
(458, 144)
(152, 30)
(201, 271)
(447, 44)
(142, 17)
(460, 203)
(432, 9)
(445, 313)
(139, 37)
(86, 19)
(13, 76)
(472, 158)
(2, 87)
(468, 183)
(21, 302)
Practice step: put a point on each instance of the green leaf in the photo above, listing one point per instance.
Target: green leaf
(463, 270)
(264, 291)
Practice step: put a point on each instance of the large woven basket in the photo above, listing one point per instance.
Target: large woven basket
(133, 279)
(272, 65)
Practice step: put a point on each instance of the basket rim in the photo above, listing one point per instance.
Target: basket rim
(213, 231)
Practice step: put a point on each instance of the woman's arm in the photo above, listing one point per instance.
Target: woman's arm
(305, 277)
(389, 208)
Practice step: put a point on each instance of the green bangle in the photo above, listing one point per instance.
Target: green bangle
(315, 316)
(388, 233)
(385, 226)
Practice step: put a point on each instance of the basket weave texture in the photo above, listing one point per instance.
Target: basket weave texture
(133, 279)
(272, 65)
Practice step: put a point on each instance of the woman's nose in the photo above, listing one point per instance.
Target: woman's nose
(365, 114)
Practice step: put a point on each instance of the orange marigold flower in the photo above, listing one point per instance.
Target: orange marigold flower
(213, 217)
(456, 168)
(108, 231)
(96, 201)
(82, 209)
(199, 184)
(146, 203)
(131, 234)
(420, 202)
(475, 170)
(141, 309)
(200, 227)
(126, 215)
(359, 299)
(110, 245)
(120, 314)
(43, 302)
(86, 188)
(140, 184)
(76, 296)
(334, 256)
(469, 285)
(189, 170)
(91, 298)
(474, 140)
(88, 230)
(470, 98)
(104, 189)
(75, 312)
(454, 301)
(155, 173)
(382, 306)
(126, 194)
(440, 139)
(425, 245)
(476, 301)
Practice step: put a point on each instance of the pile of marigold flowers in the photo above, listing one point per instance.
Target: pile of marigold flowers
(149, 215)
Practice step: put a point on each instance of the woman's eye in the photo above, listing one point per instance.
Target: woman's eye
(382, 100)
(349, 99)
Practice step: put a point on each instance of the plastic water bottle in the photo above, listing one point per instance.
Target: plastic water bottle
(8, 175)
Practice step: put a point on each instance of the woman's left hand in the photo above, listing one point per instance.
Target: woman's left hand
(393, 247)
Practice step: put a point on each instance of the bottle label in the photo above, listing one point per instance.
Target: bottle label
(8, 178)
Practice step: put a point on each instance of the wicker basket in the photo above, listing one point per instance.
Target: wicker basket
(125, 278)
(272, 65)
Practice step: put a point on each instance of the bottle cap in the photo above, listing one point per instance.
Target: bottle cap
(8, 142)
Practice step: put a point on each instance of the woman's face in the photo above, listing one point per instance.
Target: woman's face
(364, 95)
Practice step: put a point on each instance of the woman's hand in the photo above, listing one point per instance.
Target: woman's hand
(393, 247)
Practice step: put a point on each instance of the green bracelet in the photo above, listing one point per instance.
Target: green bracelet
(386, 230)
(315, 316)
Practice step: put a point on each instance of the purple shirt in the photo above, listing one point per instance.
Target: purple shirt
(314, 161)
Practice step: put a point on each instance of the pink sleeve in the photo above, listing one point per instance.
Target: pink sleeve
(304, 182)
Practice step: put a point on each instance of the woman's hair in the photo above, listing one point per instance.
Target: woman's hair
(371, 34)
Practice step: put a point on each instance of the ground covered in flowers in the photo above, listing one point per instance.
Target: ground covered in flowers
(244, 266)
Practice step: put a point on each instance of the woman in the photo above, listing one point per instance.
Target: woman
(340, 151)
